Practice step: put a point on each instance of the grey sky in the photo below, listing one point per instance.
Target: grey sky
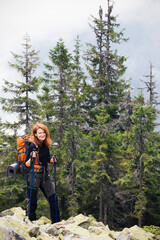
(48, 20)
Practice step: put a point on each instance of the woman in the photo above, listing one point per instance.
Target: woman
(37, 159)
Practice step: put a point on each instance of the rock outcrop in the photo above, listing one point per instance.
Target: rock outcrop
(14, 224)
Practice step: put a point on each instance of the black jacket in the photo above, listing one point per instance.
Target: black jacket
(43, 153)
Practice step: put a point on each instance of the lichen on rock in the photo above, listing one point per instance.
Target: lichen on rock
(14, 224)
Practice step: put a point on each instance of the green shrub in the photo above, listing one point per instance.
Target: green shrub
(153, 229)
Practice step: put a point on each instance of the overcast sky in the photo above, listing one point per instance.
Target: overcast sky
(46, 21)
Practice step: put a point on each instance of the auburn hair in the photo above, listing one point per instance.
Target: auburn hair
(34, 138)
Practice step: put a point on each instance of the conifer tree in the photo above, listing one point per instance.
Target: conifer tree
(105, 164)
(54, 104)
(141, 158)
(105, 93)
(63, 88)
(56, 84)
(23, 103)
(104, 64)
(74, 132)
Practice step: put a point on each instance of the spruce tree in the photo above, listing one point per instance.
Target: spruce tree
(23, 103)
(105, 168)
(56, 84)
(141, 161)
(74, 136)
(106, 92)
(63, 87)
(54, 104)
(25, 107)
(106, 67)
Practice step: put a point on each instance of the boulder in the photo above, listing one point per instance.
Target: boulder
(14, 224)
(135, 233)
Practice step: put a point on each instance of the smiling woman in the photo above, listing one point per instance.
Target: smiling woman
(40, 135)
(37, 160)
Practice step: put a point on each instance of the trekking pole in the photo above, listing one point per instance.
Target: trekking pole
(55, 191)
(32, 172)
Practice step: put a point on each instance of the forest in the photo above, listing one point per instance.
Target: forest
(106, 140)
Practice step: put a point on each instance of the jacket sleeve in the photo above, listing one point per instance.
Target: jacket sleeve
(49, 156)
(29, 149)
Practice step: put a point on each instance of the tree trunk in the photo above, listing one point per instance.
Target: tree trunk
(101, 202)
(141, 186)
(106, 204)
(61, 106)
(105, 213)
(27, 94)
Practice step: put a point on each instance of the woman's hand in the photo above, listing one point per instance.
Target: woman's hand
(28, 163)
(53, 160)
(33, 155)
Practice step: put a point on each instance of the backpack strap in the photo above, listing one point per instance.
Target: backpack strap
(37, 164)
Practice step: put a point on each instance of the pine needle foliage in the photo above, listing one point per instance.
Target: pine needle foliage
(23, 104)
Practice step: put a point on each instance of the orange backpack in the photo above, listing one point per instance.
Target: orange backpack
(23, 143)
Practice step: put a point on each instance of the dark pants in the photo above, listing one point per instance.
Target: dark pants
(44, 182)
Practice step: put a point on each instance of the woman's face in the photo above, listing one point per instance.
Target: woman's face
(41, 135)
